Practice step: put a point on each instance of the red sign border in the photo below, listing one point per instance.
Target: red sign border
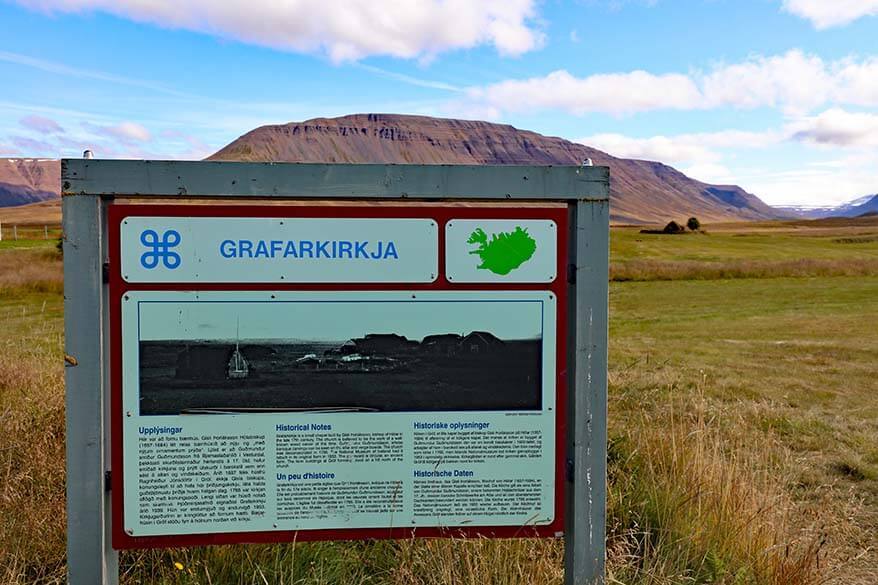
(116, 212)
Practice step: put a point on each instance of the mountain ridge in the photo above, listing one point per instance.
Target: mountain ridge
(28, 180)
(855, 208)
(640, 191)
(13, 195)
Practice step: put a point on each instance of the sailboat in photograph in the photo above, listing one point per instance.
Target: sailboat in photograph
(238, 367)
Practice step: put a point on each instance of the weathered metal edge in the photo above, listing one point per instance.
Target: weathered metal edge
(90, 559)
(311, 180)
(586, 494)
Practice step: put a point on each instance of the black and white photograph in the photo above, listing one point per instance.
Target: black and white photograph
(340, 356)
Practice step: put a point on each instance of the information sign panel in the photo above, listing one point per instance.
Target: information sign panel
(256, 410)
(278, 249)
(253, 411)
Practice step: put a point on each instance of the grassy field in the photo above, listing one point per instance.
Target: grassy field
(32, 222)
(743, 427)
(794, 248)
(36, 214)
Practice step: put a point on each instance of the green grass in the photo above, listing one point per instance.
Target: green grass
(778, 337)
(7, 244)
(743, 425)
(721, 246)
(791, 360)
(32, 320)
(777, 250)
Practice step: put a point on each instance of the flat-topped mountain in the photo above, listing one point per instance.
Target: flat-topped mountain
(640, 191)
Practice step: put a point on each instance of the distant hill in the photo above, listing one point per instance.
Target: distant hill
(28, 180)
(640, 191)
(22, 195)
(867, 207)
(857, 207)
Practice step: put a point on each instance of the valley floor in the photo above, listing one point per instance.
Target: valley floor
(743, 429)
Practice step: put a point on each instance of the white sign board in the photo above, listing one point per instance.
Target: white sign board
(286, 410)
(507, 251)
(259, 250)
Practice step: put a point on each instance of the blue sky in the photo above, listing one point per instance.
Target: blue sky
(779, 96)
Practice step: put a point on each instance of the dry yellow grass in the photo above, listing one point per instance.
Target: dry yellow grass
(32, 469)
(44, 213)
(690, 501)
(641, 270)
(693, 494)
(31, 270)
(714, 478)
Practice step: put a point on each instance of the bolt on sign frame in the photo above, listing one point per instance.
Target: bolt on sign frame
(97, 194)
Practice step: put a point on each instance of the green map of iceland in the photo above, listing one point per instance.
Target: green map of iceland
(505, 252)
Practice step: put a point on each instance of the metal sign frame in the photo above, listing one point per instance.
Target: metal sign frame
(89, 187)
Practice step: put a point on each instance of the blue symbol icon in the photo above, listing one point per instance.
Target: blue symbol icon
(160, 250)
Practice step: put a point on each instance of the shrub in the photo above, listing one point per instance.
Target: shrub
(673, 228)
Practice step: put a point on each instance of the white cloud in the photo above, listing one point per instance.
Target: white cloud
(61, 69)
(692, 149)
(837, 127)
(820, 184)
(617, 93)
(828, 13)
(739, 138)
(416, 81)
(856, 83)
(794, 82)
(694, 154)
(710, 173)
(468, 110)
(126, 132)
(699, 155)
(30, 145)
(847, 140)
(666, 149)
(344, 30)
(129, 131)
(41, 124)
(189, 147)
(831, 128)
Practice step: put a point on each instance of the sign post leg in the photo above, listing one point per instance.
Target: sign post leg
(90, 558)
(585, 535)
